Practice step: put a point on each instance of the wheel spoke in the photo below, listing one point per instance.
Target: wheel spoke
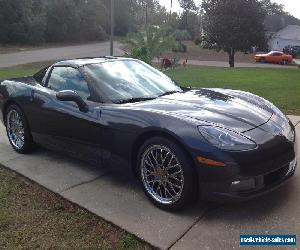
(165, 158)
(148, 163)
(167, 191)
(175, 185)
(160, 191)
(149, 173)
(170, 184)
(154, 158)
(172, 166)
(176, 179)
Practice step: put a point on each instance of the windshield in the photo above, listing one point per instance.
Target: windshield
(129, 80)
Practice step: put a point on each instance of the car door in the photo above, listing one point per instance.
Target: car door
(62, 126)
(276, 57)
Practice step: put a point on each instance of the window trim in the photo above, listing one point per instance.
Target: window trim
(45, 71)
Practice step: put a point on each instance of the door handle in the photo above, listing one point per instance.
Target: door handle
(98, 114)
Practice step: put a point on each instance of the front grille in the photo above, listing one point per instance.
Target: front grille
(273, 177)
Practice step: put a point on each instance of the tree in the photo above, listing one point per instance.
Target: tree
(271, 8)
(191, 22)
(233, 25)
(19, 24)
(187, 5)
(74, 20)
(124, 17)
(37, 21)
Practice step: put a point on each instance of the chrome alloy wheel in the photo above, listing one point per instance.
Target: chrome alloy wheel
(15, 129)
(162, 174)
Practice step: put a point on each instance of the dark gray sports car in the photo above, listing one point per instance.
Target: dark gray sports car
(182, 143)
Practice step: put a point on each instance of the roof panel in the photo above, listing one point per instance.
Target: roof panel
(290, 32)
(85, 61)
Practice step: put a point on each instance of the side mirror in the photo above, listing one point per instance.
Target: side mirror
(72, 96)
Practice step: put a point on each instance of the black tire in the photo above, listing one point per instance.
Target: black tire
(263, 60)
(28, 145)
(189, 189)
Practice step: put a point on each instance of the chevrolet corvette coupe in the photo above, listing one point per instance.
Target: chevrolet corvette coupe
(182, 143)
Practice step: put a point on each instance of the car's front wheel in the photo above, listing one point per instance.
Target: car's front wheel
(166, 174)
(17, 130)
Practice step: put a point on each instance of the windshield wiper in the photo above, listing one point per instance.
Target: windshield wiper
(135, 99)
(170, 92)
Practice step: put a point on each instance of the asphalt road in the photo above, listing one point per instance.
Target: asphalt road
(67, 52)
(101, 49)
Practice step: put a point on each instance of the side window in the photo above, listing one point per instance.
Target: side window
(39, 76)
(68, 78)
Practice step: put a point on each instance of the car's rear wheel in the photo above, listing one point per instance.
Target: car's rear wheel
(17, 130)
(166, 174)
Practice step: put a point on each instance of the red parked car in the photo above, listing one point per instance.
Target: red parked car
(274, 57)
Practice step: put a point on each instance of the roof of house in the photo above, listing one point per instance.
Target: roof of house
(290, 32)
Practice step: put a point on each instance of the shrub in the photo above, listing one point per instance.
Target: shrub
(198, 41)
(141, 53)
(180, 47)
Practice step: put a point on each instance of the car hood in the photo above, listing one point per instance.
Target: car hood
(212, 106)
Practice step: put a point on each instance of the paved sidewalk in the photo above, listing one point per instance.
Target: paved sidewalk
(240, 65)
(223, 64)
(118, 198)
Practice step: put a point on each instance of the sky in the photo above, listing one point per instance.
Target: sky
(291, 6)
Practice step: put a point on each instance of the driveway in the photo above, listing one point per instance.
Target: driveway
(117, 198)
(52, 54)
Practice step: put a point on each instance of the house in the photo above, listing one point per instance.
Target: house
(290, 35)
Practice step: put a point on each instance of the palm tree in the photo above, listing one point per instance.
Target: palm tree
(150, 43)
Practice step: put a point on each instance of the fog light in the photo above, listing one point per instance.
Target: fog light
(242, 185)
(292, 167)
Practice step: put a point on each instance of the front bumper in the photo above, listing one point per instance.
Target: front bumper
(249, 174)
(241, 188)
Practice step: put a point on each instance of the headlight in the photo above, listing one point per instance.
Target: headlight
(226, 139)
(288, 132)
(281, 126)
(282, 123)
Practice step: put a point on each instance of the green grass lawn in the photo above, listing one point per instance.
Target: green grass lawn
(33, 218)
(22, 70)
(280, 86)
